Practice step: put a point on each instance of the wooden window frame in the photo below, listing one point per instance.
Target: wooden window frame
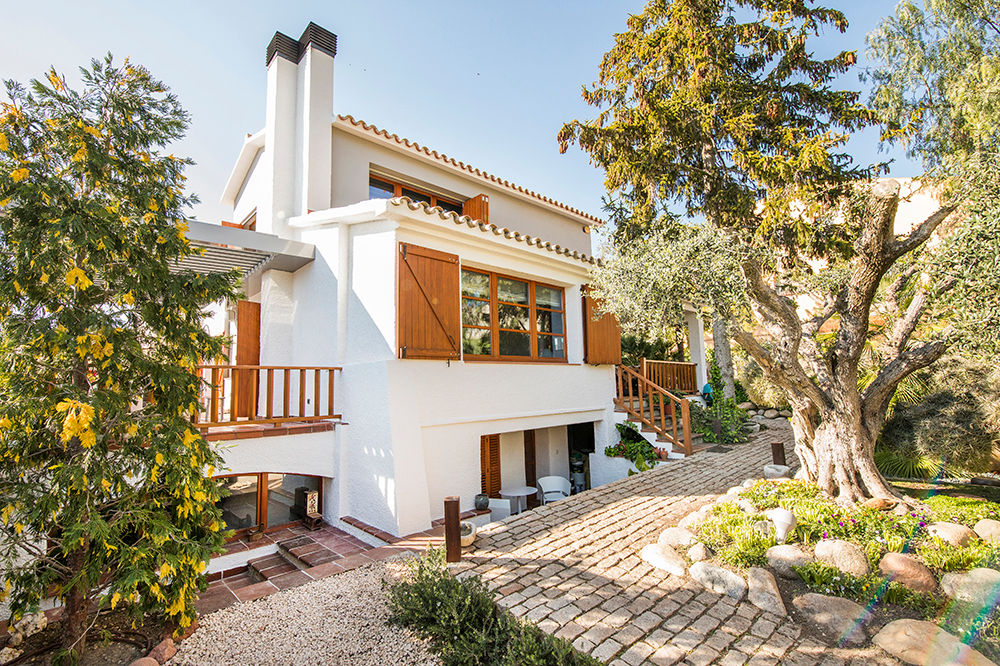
(398, 191)
(494, 326)
(262, 492)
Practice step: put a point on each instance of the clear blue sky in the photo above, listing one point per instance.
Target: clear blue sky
(487, 83)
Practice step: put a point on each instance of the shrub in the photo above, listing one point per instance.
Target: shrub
(715, 379)
(730, 417)
(956, 425)
(632, 446)
(759, 390)
(464, 625)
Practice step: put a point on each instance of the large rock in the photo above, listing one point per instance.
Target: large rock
(979, 586)
(776, 471)
(908, 571)
(746, 505)
(676, 536)
(771, 414)
(955, 534)
(699, 553)
(719, 580)
(783, 558)
(692, 520)
(988, 530)
(164, 650)
(664, 557)
(921, 642)
(841, 617)
(747, 405)
(843, 555)
(762, 591)
(785, 413)
(879, 503)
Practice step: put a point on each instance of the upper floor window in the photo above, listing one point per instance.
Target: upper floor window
(382, 188)
(508, 318)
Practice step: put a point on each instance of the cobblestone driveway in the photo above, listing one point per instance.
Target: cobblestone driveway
(573, 568)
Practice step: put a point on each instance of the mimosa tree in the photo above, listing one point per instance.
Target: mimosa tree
(106, 495)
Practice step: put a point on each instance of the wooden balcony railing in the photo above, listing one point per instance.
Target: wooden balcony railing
(671, 375)
(656, 408)
(265, 394)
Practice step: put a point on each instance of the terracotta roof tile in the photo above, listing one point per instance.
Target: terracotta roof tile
(487, 227)
(413, 145)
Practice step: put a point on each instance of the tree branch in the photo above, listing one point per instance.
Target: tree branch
(920, 233)
(875, 399)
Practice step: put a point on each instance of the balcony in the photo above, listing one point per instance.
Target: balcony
(265, 400)
(678, 378)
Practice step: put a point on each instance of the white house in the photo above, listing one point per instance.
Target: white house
(414, 327)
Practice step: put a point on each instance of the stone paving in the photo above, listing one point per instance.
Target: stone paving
(573, 568)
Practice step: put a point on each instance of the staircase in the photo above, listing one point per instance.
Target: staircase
(664, 419)
(298, 553)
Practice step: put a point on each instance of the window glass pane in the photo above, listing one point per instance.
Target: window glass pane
(549, 322)
(513, 316)
(475, 313)
(379, 189)
(515, 344)
(476, 341)
(512, 291)
(550, 346)
(239, 509)
(449, 206)
(416, 196)
(286, 497)
(475, 284)
(547, 297)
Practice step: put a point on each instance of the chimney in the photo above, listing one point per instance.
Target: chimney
(297, 136)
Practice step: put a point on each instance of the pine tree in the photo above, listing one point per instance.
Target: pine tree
(106, 494)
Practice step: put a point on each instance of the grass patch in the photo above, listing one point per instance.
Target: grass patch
(827, 580)
(965, 510)
(464, 625)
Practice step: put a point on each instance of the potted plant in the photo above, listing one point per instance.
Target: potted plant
(255, 533)
(467, 532)
(482, 502)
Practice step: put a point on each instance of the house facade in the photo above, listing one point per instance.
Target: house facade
(414, 328)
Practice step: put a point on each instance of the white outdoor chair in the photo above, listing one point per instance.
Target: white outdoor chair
(552, 488)
(499, 509)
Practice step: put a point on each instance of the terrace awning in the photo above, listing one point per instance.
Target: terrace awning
(226, 248)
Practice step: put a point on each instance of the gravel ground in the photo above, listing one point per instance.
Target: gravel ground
(336, 620)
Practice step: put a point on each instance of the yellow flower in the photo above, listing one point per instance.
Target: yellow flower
(147, 218)
(77, 278)
(190, 437)
(19, 174)
(4, 144)
(54, 80)
(115, 598)
(45, 278)
(159, 458)
(77, 422)
(80, 155)
(128, 299)
(106, 485)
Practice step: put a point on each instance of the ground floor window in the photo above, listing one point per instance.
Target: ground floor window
(267, 500)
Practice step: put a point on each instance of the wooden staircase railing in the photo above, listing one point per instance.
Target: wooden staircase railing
(656, 408)
(671, 375)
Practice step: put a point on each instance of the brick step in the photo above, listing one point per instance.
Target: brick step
(303, 552)
(269, 566)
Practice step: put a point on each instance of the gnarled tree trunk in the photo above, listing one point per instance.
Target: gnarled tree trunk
(723, 356)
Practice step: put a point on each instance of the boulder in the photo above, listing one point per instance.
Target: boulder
(776, 471)
(909, 571)
(699, 553)
(9, 654)
(979, 586)
(762, 591)
(746, 505)
(988, 530)
(749, 482)
(751, 427)
(747, 405)
(922, 642)
(676, 536)
(840, 617)
(843, 555)
(771, 414)
(694, 519)
(785, 413)
(783, 558)
(879, 503)
(784, 522)
(735, 490)
(664, 558)
(163, 651)
(717, 579)
(955, 534)
(145, 661)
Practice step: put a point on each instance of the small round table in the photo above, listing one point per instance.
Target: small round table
(520, 494)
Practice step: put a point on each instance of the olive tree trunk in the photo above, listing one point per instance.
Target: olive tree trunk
(723, 356)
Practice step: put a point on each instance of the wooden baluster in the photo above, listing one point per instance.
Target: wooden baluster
(642, 402)
(631, 407)
(329, 391)
(234, 390)
(286, 403)
(673, 418)
(254, 388)
(643, 367)
(686, 416)
(316, 391)
(663, 416)
(216, 386)
(270, 393)
(302, 393)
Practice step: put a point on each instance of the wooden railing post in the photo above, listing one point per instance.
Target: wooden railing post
(452, 534)
(270, 393)
(686, 417)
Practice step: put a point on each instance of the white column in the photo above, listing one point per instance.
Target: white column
(696, 343)
(314, 136)
(278, 160)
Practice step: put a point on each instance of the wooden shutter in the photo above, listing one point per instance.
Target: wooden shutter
(530, 475)
(428, 322)
(602, 338)
(489, 462)
(478, 207)
(247, 353)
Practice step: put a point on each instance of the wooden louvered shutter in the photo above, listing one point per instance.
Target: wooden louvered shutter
(489, 461)
(602, 338)
(247, 353)
(530, 476)
(478, 207)
(428, 321)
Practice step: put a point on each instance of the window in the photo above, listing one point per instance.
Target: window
(382, 188)
(268, 500)
(509, 318)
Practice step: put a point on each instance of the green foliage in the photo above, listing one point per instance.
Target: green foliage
(942, 556)
(956, 425)
(964, 510)
(672, 348)
(870, 589)
(759, 389)
(464, 625)
(98, 339)
(715, 379)
(730, 418)
(633, 447)
(729, 531)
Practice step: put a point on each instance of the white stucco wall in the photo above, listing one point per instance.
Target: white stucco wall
(309, 453)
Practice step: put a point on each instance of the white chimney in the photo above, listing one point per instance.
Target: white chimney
(297, 135)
